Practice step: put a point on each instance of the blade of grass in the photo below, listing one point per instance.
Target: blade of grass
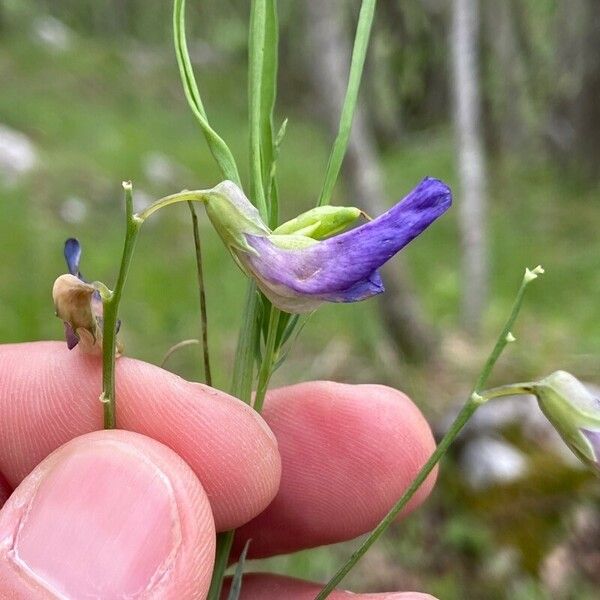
(359, 52)
(256, 53)
(267, 106)
(216, 144)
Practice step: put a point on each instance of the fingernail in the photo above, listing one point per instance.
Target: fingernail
(103, 523)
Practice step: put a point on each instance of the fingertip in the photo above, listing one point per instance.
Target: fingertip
(348, 453)
(111, 513)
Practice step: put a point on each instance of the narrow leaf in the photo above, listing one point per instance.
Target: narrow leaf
(359, 52)
(256, 53)
(216, 144)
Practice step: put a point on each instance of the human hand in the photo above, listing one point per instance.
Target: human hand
(116, 514)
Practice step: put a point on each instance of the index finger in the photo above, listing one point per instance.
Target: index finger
(49, 395)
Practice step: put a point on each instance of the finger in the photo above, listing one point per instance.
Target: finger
(261, 586)
(49, 395)
(5, 490)
(348, 453)
(111, 514)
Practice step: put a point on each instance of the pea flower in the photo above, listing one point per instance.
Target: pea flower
(78, 304)
(574, 412)
(296, 268)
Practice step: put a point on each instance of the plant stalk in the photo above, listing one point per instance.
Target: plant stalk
(476, 399)
(110, 303)
(202, 297)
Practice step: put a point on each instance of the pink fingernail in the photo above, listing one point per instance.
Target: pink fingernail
(101, 525)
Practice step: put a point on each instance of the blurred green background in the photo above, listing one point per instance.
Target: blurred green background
(90, 96)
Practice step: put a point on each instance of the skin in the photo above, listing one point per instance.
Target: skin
(133, 512)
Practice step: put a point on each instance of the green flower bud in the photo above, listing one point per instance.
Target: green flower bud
(574, 412)
(320, 222)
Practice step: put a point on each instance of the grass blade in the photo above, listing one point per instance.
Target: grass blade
(267, 106)
(256, 53)
(359, 52)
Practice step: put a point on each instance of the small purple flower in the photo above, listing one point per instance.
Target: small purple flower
(78, 304)
(298, 273)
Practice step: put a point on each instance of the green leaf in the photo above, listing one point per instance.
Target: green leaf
(236, 582)
(359, 52)
(256, 56)
(267, 107)
(216, 144)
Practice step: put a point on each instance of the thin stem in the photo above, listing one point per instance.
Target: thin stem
(463, 416)
(269, 358)
(514, 389)
(243, 367)
(476, 399)
(184, 196)
(202, 295)
(175, 348)
(110, 304)
(505, 336)
(224, 544)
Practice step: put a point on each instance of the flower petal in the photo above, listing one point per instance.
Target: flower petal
(343, 268)
(593, 437)
(73, 256)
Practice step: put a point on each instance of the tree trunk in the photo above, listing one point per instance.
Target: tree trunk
(328, 69)
(508, 89)
(472, 200)
(574, 129)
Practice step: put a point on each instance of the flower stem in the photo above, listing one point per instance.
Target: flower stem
(202, 296)
(476, 399)
(266, 367)
(224, 544)
(110, 302)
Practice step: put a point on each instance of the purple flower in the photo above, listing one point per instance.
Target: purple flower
(297, 273)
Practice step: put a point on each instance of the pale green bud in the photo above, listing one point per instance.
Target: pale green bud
(574, 412)
(321, 222)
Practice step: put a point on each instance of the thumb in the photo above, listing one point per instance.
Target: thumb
(110, 514)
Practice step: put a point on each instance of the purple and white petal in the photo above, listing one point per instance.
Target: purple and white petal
(344, 268)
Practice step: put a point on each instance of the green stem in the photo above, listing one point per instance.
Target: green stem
(242, 382)
(463, 416)
(243, 367)
(224, 544)
(110, 302)
(514, 389)
(202, 295)
(184, 196)
(476, 399)
(505, 336)
(175, 348)
(266, 367)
